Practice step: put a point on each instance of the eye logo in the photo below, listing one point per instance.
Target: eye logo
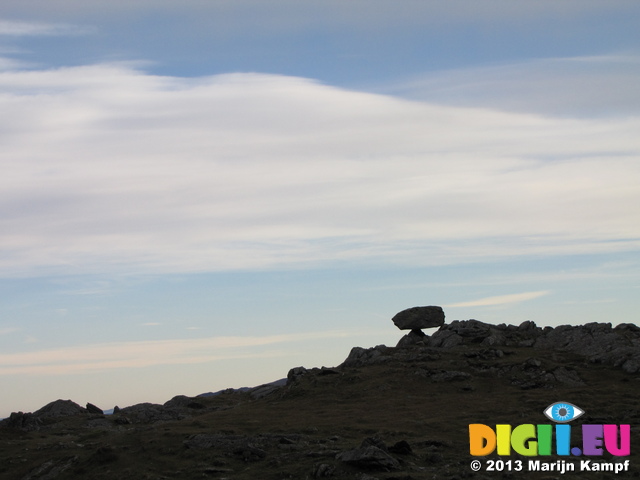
(563, 412)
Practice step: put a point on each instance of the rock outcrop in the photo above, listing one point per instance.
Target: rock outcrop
(598, 342)
(34, 421)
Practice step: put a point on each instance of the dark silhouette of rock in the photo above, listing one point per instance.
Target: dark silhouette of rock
(22, 421)
(598, 342)
(91, 408)
(179, 401)
(34, 421)
(417, 318)
(59, 408)
(414, 337)
(295, 373)
(366, 356)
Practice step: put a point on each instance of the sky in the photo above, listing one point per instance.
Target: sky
(199, 195)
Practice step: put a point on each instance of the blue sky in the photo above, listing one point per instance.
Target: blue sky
(200, 195)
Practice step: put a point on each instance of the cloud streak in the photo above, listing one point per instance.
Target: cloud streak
(109, 169)
(579, 86)
(500, 300)
(31, 29)
(110, 356)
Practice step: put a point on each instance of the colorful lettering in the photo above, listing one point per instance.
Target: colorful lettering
(531, 440)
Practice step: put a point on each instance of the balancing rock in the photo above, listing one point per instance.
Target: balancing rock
(416, 318)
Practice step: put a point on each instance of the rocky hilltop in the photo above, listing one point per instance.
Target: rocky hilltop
(385, 413)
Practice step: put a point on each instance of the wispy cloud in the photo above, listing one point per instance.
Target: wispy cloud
(109, 356)
(7, 330)
(17, 28)
(106, 168)
(500, 299)
(573, 86)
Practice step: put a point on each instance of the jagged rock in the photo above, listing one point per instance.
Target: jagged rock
(414, 337)
(417, 318)
(445, 339)
(295, 373)
(366, 356)
(370, 457)
(91, 408)
(598, 342)
(22, 421)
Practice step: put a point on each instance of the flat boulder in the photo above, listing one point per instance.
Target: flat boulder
(416, 318)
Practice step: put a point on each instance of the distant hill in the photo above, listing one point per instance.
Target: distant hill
(385, 413)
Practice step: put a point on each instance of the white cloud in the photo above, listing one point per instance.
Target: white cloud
(500, 300)
(109, 356)
(107, 168)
